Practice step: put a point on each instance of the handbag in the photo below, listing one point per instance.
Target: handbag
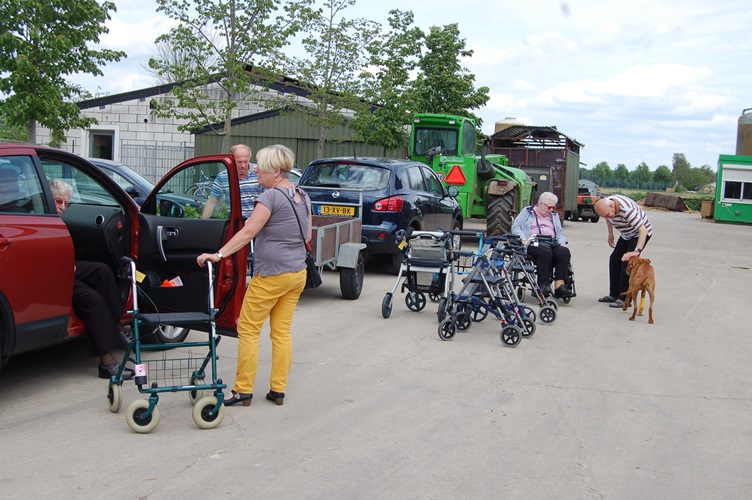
(313, 278)
(546, 240)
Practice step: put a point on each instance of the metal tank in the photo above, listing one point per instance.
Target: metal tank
(744, 134)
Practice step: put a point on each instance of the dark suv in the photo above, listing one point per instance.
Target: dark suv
(396, 194)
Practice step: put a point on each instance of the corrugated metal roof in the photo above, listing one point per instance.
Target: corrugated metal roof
(518, 133)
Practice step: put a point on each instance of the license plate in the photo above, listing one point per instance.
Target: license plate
(337, 210)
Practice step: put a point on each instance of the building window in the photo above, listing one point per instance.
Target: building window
(101, 144)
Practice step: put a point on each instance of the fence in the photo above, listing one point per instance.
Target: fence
(153, 161)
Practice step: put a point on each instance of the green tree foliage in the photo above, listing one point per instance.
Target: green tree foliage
(443, 84)
(335, 49)
(621, 174)
(663, 177)
(602, 173)
(696, 178)
(393, 55)
(218, 39)
(12, 132)
(681, 168)
(41, 43)
(641, 177)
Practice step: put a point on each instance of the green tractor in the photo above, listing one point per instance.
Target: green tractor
(489, 188)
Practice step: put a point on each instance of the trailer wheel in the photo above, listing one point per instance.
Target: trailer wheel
(498, 217)
(351, 280)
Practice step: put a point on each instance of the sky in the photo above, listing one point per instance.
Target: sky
(633, 81)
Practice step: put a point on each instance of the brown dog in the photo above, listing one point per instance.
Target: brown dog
(641, 278)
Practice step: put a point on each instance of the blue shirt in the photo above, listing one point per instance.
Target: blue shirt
(249, 190)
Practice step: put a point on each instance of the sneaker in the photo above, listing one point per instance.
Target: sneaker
(111, 371)
(545, 290)
(618, 303)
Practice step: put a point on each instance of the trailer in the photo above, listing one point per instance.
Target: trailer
(551, 158)
(336, 245)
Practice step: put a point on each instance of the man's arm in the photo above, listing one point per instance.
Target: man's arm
(642, 236)
(209, 207)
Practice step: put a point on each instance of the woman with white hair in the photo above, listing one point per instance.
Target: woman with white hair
(543, 219)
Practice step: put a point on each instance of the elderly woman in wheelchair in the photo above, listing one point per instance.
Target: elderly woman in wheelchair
(539, 227)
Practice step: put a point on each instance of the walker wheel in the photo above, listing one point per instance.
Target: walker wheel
(510, 336)
(566, 299)
(386, 305)
(553, 303)
(197, 394)
(478, 313)
(447, 329)
(528, 312)
(435, 297)
(136, 420)
(415, 301)
(528, 327)
(441, 312)
(464, 320)
(207, 414)
(547, 315)
(115, 397)
(521, 292)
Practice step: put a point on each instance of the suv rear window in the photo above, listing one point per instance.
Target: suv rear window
(345, 175)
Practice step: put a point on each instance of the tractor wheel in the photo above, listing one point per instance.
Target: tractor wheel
(575, 215)
(595, 218)
(498, 217)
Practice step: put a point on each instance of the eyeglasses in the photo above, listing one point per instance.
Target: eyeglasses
(550, 207)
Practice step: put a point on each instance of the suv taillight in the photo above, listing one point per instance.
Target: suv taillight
(391, 204)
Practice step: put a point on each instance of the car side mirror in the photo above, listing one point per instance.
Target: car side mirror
(453, 191)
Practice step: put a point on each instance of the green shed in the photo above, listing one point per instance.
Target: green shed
(276, 127)
(733, 192)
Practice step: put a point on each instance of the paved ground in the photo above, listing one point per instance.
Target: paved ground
(594, 406)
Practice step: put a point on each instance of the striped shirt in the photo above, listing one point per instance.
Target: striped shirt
(629, 218)
(249, 190)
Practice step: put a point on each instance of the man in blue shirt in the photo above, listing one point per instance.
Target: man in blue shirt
(249, 186)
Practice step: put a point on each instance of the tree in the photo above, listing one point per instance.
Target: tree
(681, 168)
(335, 50)
(663, 176)
(602, 173)
(642, 175)
(169, 58)
(621, 175)
(13, 132)
(443, 85)
(219, 39)
(394, 55)
(41, 43)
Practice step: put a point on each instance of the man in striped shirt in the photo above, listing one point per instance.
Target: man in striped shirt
(249, 186)
(626, 216)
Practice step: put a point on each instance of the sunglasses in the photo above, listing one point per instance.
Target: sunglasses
(550, 207)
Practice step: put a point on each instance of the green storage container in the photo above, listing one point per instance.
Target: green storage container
(733, 192)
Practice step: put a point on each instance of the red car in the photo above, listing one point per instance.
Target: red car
(38, 248)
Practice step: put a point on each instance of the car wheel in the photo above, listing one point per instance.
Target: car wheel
(395, 263)
(166, 334)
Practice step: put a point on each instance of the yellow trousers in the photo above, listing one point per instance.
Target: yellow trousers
(273, 297)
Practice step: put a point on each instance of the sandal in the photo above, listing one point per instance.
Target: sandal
(607, 298)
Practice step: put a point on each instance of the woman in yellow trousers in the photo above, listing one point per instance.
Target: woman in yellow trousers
(280, 273)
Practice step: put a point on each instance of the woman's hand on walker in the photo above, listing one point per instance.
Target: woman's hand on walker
(201, 259)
